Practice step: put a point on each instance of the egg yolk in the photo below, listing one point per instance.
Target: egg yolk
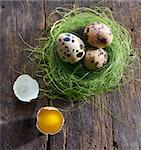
(50, 121)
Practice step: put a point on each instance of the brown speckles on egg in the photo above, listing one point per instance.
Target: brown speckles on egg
(105, 55)
(96, 63)
(109, 33)
(80, 54)
(67, 44)
(97, 35)
(102, 40)
(93, 25)
(81, 46)
(93, 60)
(88, 29)
(104, 63)
(68, 55)
(101, 53)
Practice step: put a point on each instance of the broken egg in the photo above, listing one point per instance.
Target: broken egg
(70, 48)
(98, 35)
(49, 120)
(95, 59)
(26, 88)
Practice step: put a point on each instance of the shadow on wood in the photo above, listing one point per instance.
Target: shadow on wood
(18, 133)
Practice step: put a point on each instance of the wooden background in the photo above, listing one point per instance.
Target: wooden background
(88, 128)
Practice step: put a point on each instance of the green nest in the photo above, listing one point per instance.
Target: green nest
(74, 82)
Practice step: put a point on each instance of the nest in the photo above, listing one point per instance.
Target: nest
(69, 82)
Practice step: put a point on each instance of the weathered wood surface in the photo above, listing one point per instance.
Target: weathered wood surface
(88, 128)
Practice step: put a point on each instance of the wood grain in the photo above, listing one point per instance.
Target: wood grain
(90, 128)
(17, 119)
(87, 128)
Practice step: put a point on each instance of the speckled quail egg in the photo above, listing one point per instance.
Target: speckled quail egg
(95, 59)
(98, 35)
(70, 48)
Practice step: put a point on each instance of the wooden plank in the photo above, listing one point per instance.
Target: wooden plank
(88, 128)
(17, 119)
(91, 128)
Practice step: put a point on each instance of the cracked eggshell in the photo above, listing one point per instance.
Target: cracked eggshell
(49, 120)
(26, 88)
(95, 59)
(98, 35)
(70, 48)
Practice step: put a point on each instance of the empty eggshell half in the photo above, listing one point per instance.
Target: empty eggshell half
(95, 59)
(98, 35)
(70, 48)
(26, 88)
